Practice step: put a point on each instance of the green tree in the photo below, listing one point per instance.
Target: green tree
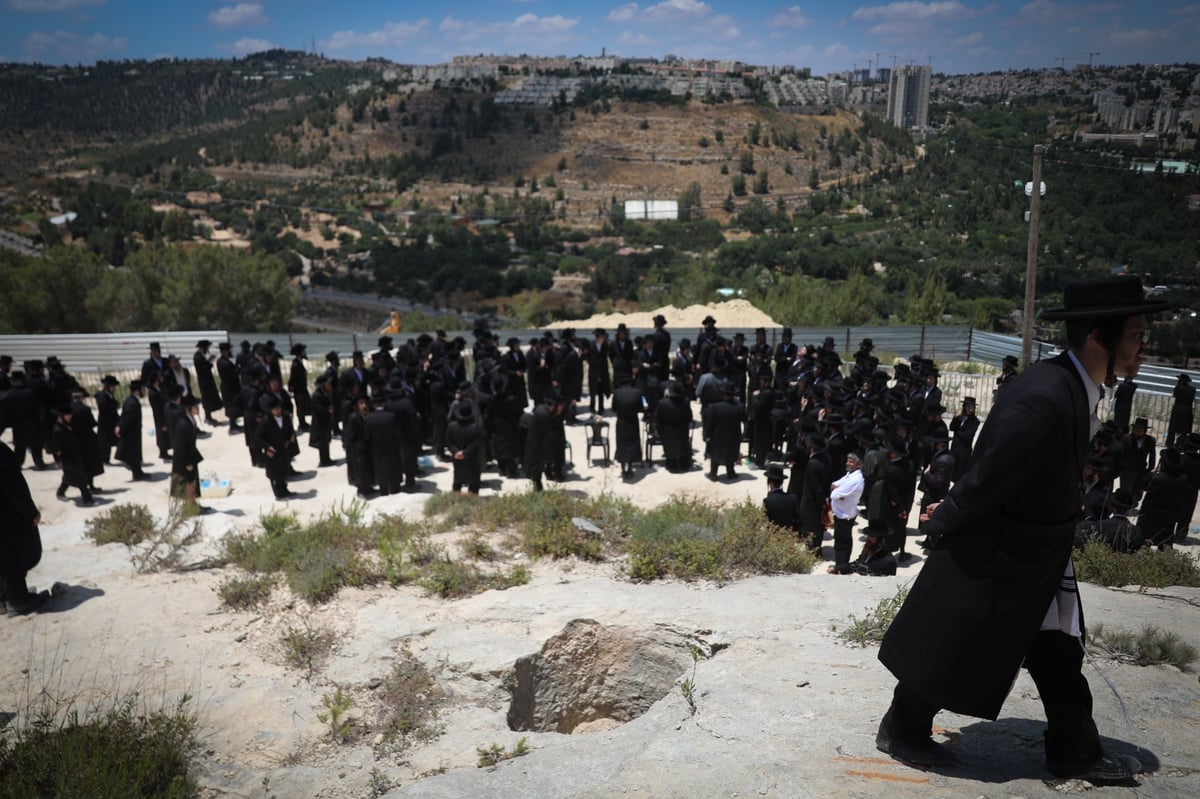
(738, 184)
(746, 163)
(689, 203)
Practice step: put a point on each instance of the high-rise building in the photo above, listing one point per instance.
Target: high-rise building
(908, 97)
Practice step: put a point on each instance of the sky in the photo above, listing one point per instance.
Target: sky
(954, 36)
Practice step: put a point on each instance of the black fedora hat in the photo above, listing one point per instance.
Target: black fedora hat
(1105, 298)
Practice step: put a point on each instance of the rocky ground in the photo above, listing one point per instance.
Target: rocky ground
(782, 707)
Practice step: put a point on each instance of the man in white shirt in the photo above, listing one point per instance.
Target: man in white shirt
(844, 495)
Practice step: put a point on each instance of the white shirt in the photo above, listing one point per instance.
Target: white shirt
(845, 494)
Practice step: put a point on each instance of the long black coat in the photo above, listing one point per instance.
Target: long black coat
(84, 425)
(814, 491)
(673, 418)
(271, 435)
(210, 396)
(298, 386)
(320, 432)
(107, 416)
(627, 404)
(599, 378)
(964, 427)
(723, 420)
(184, 452)
(231, 386)
(129, 446)
(20, 543)
(64, 443)
(1008, 527)
(544, 443)
(383, 442)
(1182, 411)
(783, 509)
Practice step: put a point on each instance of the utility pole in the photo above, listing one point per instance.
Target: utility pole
(1031, 252)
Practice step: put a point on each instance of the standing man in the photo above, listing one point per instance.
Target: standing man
(963, 426)
(844, 495)
(231, 386)
(20, 542)
(185, 458)
(998, 589)
(203, 362)
(107, 415)
(129, 431)
(298, 386)
(1123, 404)
(65, 447)
(1183, 409)
(275, 437)
(723, 424)
(599, 379)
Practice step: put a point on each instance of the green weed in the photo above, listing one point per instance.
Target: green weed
(1098, 564)
(870, 629)
(305, 647)
(1150, 646)
(336, 715)
(127, 524)
(244, 593)
(496, 753)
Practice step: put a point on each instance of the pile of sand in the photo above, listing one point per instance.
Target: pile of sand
(732, 314)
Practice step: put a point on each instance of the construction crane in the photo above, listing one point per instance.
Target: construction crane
(1062, 63)
(1090, 58)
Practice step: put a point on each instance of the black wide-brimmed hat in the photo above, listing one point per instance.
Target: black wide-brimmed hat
(659, 319)
(109, 380)
(202, 343)
(775, 472)
(1105, 298)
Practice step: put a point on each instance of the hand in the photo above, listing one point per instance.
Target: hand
(37, 519)
(458, 456)
(929, 510)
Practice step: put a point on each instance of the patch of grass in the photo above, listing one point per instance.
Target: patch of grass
(1098, 564)
(496, 753)
(1150, 646)
(450, 579)
(455, 509)
(693, 538)
(306, 648)
(244, 593)
(410, 698)
(478, 547)
(129, 524)
(126, 750)
(316, 559)
(870, 629)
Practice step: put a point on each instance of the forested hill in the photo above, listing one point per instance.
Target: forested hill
(140, 98)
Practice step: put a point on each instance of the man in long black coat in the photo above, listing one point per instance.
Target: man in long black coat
(20, 542)
(210, 396)
(999, 591)
(298, 386)
(129, 431)
(673, 417)
(23, 412)
(275, 438)
(383, 442)
(545, 441)
(627, 405)
(231, 386)
(185, 457)
(1182, 409)
(324, 410)
(64, 445)
(964, 426)
(600, 384)
(723, 421)
(107, 415)
(815, 490)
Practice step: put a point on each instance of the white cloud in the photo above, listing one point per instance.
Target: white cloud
(724, 26)
(52, 5)
(790, 18)
(525, 30)
(969, 39)
(1140, 36)
(673, 10)
(1049, 11)
(1186, 11)
(248, 45)
(635, 39)
(912, 9)
(68, 47)
(239, 16)
(392, 34)
(623, 13)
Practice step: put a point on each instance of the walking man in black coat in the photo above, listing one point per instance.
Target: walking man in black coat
(627, 405)
(998, 590)
(107, 415)
(231, 386)
(129, 431)
(64, 445)
(210, 396)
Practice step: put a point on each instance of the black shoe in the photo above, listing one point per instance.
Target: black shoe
(923, 543)
(61, 494)
(712, 477)
(327, 463)
(32, 603)
(905, 557)
(914, 751)
(1107, 770)
(140, 476)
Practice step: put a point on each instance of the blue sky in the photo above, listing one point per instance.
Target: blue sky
(959, 35)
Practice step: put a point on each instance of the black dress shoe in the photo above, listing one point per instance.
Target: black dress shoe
(1109, 769)
(914, 751)
(29, 604)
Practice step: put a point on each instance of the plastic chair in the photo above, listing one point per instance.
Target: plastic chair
(598, 438)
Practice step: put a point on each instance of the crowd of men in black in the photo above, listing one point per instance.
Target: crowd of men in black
(792, 405)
